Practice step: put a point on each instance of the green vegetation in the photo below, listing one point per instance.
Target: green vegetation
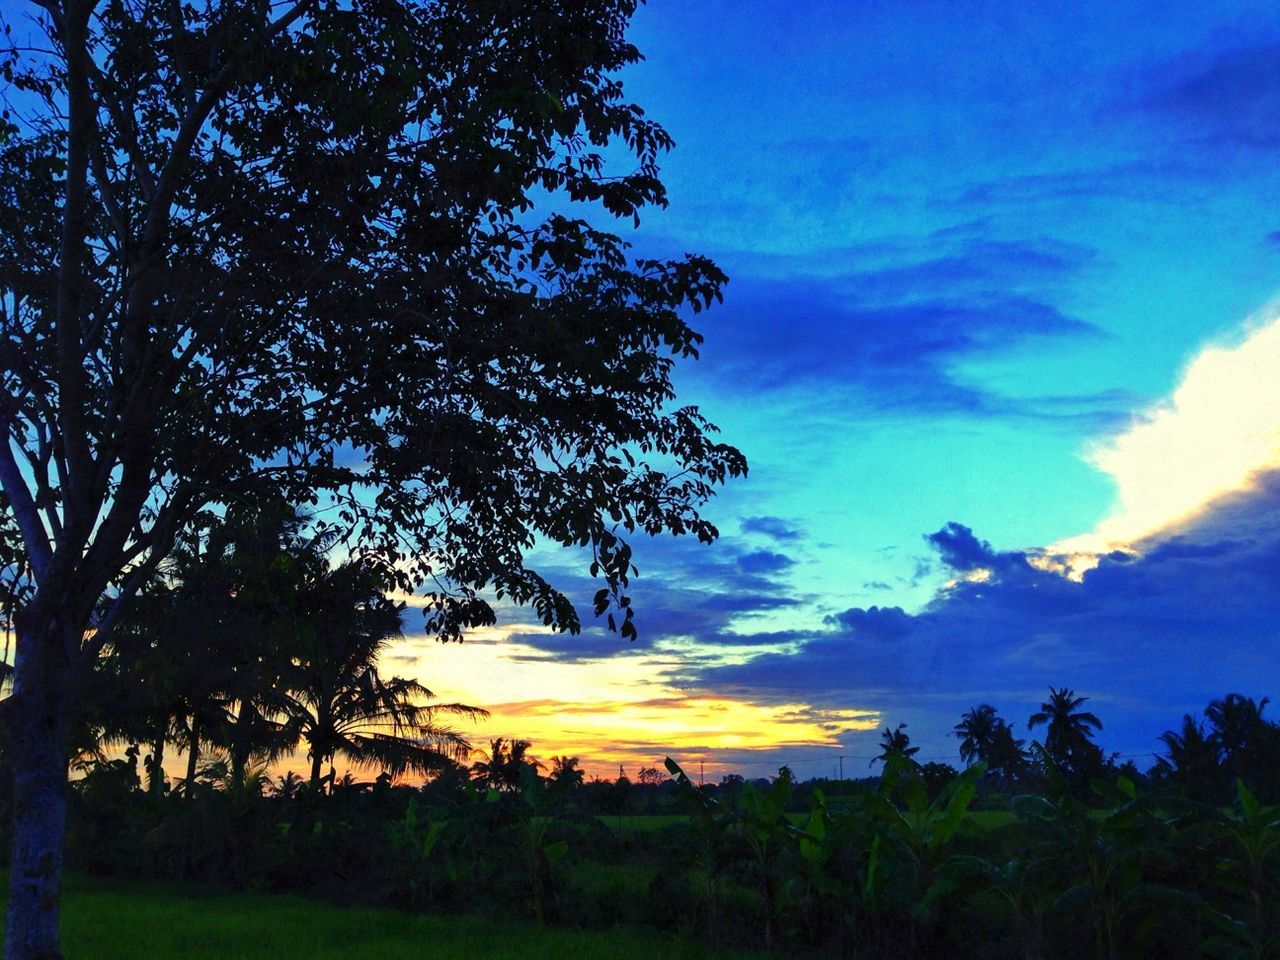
(899, 866)
(115, 920)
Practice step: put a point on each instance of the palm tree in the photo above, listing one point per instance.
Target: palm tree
(977, 732)
(1235, 720)
(1068, 739)
(988, 738)
(339, 704)
(507, 766)
(1192, 760)
(895, 743)
(566, 773)
(1006, 758)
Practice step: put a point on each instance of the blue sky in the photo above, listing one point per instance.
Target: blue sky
(976, 253)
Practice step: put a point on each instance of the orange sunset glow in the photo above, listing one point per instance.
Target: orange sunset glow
(616, 712)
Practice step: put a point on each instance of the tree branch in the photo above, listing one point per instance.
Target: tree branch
(24, 509)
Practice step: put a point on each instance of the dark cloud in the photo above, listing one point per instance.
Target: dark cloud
(961, 551)
(875, 623)
(890, 332)
(802, 333)
(687, 594)
(1149, 634)
(1217, 97)
(773, 527)
(764, 561)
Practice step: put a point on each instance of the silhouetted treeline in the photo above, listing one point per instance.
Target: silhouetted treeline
(919, 861)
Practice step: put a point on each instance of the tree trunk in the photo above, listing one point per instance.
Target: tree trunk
(193, 758)
(315, 771)
(155, 763)
(241, 743)
(39, 736)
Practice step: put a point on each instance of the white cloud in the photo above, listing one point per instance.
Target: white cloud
(1213, 437)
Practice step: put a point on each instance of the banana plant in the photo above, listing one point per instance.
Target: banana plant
(1105, 861)
(912, 846)
(1248, 842)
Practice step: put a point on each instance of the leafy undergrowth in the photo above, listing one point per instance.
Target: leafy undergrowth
(115, 920)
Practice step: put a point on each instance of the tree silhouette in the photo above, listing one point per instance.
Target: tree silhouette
(1069, 732)
(1234, 721)
(1007, 758)
(1192, 760)
(987, 738)
(566, 773)
(895, 743)
(298, 249)
(977, 733)
(339, 705)
(507, 766)
(1248, 745)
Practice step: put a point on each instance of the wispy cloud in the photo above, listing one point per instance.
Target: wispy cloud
(890, 330)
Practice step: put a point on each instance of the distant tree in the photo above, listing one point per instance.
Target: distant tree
(895, 743)
(730, 787)
(1191, 760)
(936, 777)
(985, 737)
(977, 732)
(1234, 722)
(1007, 756)
(302, 248)
(566, 773)
(507, 766)
(1069, 732)
(651, 777)
(1248, 745)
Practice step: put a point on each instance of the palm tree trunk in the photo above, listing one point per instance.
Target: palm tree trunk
(193, 757)
(315, 771)
(155, 767)
(241, 744)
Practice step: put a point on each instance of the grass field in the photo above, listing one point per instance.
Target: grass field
(648, 823)
(116, 920)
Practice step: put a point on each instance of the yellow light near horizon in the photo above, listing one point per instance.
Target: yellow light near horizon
(611, 712)
(1212, 437)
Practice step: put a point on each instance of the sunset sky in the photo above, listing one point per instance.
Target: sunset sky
(1001, 347)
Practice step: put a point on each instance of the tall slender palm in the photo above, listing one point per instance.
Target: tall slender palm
(895, 743)
(1069, 734)
(338, 702)
(977, 733)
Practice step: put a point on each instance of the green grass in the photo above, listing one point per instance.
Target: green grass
(118, 920)
(650, 823)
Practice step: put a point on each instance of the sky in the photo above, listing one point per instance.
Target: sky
(1001, 346)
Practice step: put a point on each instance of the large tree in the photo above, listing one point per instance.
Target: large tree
(323, 250)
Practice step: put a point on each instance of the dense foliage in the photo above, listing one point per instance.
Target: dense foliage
(910, 863)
